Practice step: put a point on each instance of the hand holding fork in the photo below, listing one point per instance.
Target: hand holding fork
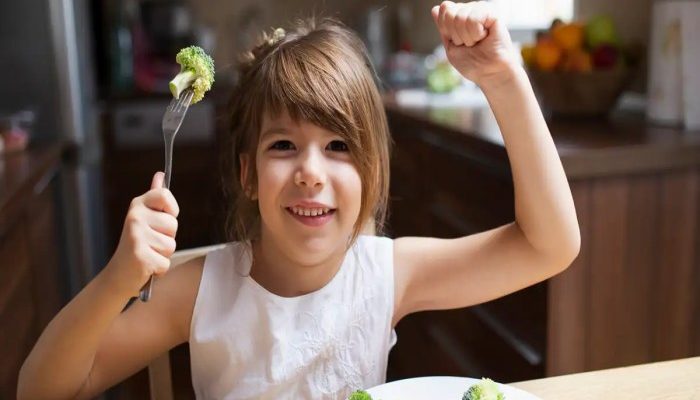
(172, 120)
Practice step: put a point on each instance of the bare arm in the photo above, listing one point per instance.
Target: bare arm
(91, 344)
(544, 239)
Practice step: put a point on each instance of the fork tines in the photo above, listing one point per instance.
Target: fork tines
(182, 102)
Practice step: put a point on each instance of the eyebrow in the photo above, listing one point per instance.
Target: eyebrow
(274, 130)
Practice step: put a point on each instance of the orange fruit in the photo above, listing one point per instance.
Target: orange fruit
(528, 54)
(547, 55)
(577, 60)
(568, 36)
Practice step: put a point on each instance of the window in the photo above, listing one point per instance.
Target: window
(530, 15)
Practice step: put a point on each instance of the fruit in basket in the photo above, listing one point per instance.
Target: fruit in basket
(575, 46)
(577, 60)
(605, 56)
(600, 29)
(578, 68)
(547, 54)
(528, 54)
(568, 36)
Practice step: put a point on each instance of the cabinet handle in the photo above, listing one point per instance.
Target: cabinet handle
(526, 351)
(452, 348)
(45, 180)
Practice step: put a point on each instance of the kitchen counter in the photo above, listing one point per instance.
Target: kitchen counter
(625, 143)
(677, 379)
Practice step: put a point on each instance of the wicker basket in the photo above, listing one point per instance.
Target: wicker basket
(576, 94)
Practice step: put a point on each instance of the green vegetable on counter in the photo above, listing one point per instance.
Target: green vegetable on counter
(197, 71)
(443, 78)
(486, 389)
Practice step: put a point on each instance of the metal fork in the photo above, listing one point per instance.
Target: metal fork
(171, 124)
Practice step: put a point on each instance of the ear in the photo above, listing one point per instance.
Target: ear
(244, 161)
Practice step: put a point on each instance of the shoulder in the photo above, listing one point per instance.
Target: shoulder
(180, 287)
(378, 244)
(378, 250)
(177, 292)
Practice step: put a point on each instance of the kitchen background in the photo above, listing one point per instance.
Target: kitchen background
(86, 83)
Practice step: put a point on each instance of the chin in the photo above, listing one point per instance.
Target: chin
(316, 248)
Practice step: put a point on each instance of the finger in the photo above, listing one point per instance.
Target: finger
(476, 28)
(160, 264)
(161, 244)
(450, 15)
(436, 12)
(157, 181)
(444, 31)
(161, 200)
(162, 222)
(488, 16)
(461, 22)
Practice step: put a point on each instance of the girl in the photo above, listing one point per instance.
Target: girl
(303, 305)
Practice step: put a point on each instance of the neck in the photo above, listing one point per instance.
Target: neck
(284, 275)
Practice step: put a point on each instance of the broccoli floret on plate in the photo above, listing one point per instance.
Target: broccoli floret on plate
(197, 70)
(360, 395)
(486, 389)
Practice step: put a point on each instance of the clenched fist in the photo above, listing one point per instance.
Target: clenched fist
(477, 43)
(147, 240)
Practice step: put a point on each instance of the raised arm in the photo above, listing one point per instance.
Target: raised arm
(544, 238)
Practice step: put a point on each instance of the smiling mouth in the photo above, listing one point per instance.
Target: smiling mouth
(311, 212)
(312, 217)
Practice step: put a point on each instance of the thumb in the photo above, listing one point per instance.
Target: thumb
(157, 181)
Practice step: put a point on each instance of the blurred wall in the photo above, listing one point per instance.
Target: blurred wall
(632, 16)
(236, 24)
(28, 64)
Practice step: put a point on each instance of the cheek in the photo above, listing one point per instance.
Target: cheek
(272, 176)
(351, 185)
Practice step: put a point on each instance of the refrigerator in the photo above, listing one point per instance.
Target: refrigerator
(47, 60)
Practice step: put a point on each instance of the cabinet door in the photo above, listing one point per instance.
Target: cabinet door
(16, 311)
(45, 256)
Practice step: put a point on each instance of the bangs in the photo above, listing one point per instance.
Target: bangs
(296, 80)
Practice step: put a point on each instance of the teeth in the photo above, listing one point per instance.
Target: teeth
(309, 212)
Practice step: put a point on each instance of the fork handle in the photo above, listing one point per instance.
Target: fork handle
(145, 293)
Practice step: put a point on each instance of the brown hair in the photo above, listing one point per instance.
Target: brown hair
(317, 72)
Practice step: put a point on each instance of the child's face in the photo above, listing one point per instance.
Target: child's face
(305, 169)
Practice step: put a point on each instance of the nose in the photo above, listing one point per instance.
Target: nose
(311, 172)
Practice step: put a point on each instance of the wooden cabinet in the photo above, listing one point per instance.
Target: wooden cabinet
(30, 280)
(436, 190)
(632, 295)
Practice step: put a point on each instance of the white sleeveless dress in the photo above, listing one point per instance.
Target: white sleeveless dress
(248, 343)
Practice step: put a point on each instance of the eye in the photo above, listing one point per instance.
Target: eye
(337, 145)
(282, 145)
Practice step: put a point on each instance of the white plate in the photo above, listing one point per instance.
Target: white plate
(437, 388)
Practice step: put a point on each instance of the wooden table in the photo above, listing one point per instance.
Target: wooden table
(678, 379)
